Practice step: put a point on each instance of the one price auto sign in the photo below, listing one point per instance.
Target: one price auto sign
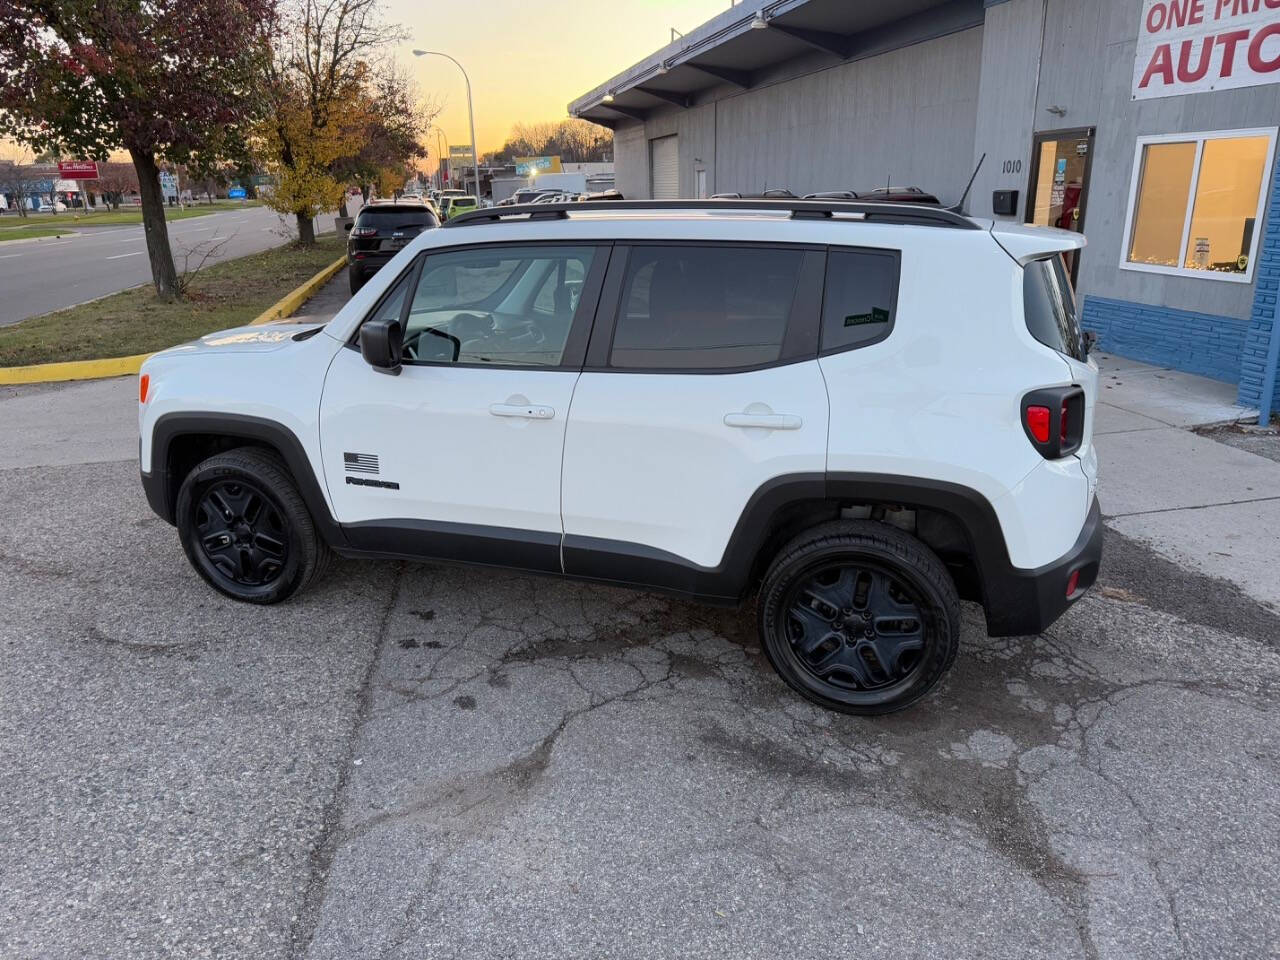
(1194, 46)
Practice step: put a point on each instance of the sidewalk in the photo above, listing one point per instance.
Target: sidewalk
(1200, 503)
(326, 302)
(97, 420)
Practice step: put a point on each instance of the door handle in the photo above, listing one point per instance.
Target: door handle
(768, 421)
(527, 411)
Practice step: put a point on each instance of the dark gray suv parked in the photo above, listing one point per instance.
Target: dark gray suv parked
(379, 232)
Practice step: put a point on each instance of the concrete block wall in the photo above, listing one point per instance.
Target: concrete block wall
(1196, 342)
(1266, 307)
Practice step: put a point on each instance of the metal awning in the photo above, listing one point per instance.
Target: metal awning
(739, 44)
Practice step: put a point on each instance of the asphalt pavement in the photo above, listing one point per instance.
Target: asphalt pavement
(52, 273)
(426, 761)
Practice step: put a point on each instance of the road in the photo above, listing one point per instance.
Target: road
(38, 276)
(423, 761)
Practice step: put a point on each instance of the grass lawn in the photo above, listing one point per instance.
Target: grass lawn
(71, 219)
(22, 233)
(228, 294)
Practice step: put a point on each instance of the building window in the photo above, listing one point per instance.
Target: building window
(1196, 203)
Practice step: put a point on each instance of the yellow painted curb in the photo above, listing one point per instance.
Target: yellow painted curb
(72, 370)
(288, 304)
(126, 366)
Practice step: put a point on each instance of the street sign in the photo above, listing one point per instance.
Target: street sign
(459, 151)
(263, 180)
(528, 165)
(168, 181)
(78, 169)
(236, 193)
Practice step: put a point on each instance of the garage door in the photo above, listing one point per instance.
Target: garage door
(664, 169)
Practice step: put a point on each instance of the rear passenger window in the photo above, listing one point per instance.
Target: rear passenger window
(1050, 306)
(860, 299)
(704, 307)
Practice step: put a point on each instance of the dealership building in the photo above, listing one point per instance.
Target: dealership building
(1150, 125)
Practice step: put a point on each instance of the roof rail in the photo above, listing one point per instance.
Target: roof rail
(909, 213)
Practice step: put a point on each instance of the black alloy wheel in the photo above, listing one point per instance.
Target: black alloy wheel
(859, 617)
(854, 625)
(246, 529)
(242, 533)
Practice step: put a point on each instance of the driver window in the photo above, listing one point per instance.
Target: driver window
(500, 306)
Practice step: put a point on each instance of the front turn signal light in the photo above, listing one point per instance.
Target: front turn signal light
(144, 387)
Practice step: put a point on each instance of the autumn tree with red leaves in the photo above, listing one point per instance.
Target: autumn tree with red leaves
(161, 79)
(114, 181)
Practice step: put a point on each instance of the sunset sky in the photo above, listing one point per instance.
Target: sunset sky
(528, 58)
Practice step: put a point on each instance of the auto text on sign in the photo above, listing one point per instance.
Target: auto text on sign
(1194, 46)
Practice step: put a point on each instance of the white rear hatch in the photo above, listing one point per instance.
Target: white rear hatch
(1027, 245)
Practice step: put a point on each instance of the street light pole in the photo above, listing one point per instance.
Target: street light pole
(471, 113)
(445, 156)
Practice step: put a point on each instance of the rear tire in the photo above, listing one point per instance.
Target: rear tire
(246, 529)
(355, 279)
(859, 617)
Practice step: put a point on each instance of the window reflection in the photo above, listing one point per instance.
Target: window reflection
(1220, 178)
(1226, 204)
(1162, 203)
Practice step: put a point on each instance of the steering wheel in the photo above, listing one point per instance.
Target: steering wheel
(449, 346)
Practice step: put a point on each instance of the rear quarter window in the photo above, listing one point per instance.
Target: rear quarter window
(1049, 303)
(860, 299)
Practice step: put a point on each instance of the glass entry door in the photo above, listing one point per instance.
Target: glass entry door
(1060, 163)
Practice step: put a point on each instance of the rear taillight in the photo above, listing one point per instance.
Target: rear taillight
(1073, 583)
(1037, 420)
(1053, 419)
(365, 232)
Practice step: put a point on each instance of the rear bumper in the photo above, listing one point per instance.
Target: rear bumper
(1026, 602)
(369, 262)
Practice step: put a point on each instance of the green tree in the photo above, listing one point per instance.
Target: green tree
(315, 89)
(161, 79)
(391, 121)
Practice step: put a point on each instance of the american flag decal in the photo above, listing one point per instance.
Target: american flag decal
(360, 462)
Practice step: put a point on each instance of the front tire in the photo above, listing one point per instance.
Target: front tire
(246, 529)
(859, 617)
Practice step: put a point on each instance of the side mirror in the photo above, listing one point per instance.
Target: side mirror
(347, 226)
(381, 344)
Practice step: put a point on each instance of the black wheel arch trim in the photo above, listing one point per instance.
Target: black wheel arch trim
(1016, 601)
(161, 487)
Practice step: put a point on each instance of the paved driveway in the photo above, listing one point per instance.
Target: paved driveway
(418, 761)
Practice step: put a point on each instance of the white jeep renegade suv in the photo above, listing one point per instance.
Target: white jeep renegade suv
(855, 412)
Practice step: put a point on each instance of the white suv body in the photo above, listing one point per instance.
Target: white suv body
(663, 396)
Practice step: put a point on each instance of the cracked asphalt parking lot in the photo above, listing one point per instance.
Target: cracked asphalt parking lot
(426, 761)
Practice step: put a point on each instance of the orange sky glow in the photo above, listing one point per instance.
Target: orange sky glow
(527, 60)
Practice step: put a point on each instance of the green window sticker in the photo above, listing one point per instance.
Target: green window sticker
(877, 315)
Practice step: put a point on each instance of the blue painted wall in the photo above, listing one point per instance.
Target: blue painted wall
(1266, 293)
(1196, 342)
